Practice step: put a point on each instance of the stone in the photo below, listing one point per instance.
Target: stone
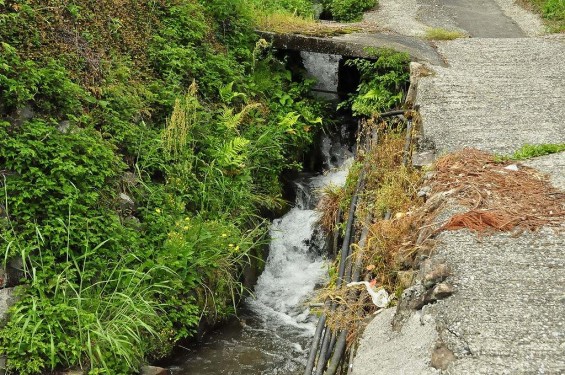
(405, 278)
(424, 191)
(440, 291)
(3, 278)
(11, 275)
(7, 299)
(22, 115)
(434, 272)
(442, 357)
(153, 370)
(126, 201)
(424, 159)
(64, 126)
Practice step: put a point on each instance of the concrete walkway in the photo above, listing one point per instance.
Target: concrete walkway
(498, 92)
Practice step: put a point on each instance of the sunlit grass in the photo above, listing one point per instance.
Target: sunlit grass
(438, 33)
(286, 23)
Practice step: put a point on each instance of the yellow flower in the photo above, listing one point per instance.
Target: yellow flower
(224, 235)
(158, 210)
(230, 245)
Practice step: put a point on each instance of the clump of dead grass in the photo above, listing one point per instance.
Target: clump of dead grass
(286, 23)
(498, 198)
(390, 189)
(329, 206)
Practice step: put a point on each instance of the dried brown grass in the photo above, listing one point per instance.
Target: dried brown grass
(329, 207)
(390, 187)
(284, 23)
(498, 199)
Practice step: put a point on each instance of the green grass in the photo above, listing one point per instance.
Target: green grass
(438, 33)
(552, 11)
(531, 151)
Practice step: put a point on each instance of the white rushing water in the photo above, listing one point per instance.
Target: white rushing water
(294, 266)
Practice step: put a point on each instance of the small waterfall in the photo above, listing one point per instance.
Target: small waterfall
(295, 266)
(324, 68)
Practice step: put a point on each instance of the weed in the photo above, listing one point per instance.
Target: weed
(553, 12)
(69, 319)
(291, 24)
(531, 151)
(438, 33)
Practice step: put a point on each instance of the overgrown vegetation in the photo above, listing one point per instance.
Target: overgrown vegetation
(553, 12)
(383, 83)
(134, 135)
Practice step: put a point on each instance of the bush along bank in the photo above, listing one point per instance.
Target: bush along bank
(139, 142)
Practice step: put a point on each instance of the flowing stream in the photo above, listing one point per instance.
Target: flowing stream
(274, 328)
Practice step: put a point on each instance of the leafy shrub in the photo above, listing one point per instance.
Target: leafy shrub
(71, 320)
(382, 85)
(349, 10)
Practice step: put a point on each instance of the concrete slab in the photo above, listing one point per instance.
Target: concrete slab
(357, 45)
(480, 18)
(496, 94)
(403, 353)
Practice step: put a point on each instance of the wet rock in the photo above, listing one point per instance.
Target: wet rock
(442, 357)
(153, 370)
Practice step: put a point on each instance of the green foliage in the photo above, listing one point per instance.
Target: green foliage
(48, 86)
(159, 131)
(383, 83)
(208, 256)
(69, 319)
(531, 151)
(348, 10)
(48, 170)
(553, 11)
